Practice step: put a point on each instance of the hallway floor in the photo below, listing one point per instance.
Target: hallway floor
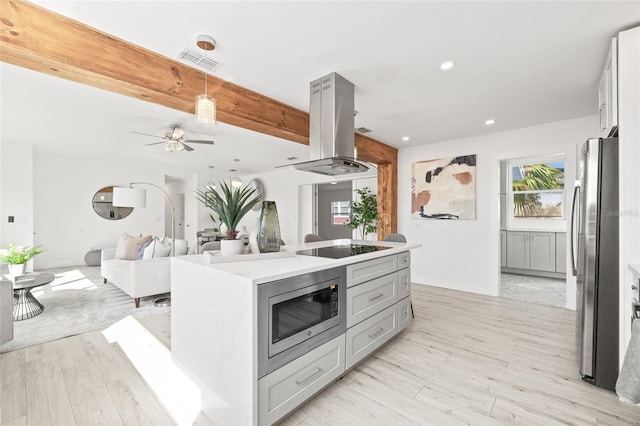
(544, 291)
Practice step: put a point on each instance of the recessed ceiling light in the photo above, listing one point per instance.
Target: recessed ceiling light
(490, 122)
(405, 138)
(446, 65)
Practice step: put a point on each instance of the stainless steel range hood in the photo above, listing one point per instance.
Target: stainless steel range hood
(331, 128)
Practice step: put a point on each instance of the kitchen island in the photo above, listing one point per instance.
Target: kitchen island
(219, 327)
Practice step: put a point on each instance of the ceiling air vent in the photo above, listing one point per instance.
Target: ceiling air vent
(199, 59)
(363, 130)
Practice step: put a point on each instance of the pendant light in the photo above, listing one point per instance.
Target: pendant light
(211, 187)
(236, 182)
(205, 104)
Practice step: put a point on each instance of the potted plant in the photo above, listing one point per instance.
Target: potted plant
(364, 213)
(230, 205)
(17, 258)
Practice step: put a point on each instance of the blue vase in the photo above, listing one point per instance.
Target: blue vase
(269, 231)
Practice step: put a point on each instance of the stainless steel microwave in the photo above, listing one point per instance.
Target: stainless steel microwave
(298, 314)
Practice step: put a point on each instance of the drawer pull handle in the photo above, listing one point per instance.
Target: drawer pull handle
(308, 377)
(375, 333)
(378, 296)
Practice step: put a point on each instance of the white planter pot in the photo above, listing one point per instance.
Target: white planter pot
(231, 247)
(17, 270)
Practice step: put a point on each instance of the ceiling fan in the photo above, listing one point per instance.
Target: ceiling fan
(173, 140)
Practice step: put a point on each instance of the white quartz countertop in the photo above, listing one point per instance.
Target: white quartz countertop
(260, 271)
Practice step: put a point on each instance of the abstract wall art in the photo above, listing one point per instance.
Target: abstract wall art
(444, 188)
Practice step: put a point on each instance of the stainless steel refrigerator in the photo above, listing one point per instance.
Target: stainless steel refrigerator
(594, 257)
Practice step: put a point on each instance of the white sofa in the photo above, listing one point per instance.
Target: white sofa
(137, 278)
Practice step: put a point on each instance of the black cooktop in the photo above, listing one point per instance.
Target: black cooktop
(337, 252)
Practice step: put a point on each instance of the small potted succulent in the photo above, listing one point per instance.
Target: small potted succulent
(17, 258)
(230, 205)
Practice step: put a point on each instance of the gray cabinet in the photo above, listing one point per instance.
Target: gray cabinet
(561, 252)
(518, 249)
(288, 387)
(533, 253)
(543, 251)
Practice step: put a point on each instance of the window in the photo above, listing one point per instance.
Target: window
(537, 189)
(340, 212)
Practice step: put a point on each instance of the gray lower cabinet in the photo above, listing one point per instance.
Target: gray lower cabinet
(378, 307)
(561, 253)
(518, 250)
(365, 337)
(366, 299)
(405, 313)
(286, 388)
(531, 252)
(543, 251)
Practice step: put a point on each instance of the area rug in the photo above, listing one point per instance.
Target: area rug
(77, 302)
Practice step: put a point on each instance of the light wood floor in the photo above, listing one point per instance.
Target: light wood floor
(465, 359)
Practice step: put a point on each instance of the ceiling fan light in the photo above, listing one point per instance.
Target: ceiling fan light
(168, 147)
(205, 109)
(177, 133)
(179, 146)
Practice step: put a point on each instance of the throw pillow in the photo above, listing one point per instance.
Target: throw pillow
(156, 249)
(144, 246)
(133, 247)
(122, 245)
(181, 247)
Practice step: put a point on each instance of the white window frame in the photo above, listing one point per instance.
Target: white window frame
(340, 205)
(550, 224)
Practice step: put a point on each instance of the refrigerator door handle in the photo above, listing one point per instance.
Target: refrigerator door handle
(574, 211)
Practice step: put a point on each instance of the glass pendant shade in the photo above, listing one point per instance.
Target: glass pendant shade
(205, 109)
(236, 182)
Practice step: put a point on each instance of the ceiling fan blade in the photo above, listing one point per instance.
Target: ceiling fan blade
(199, 141)
(147, 134)
(187, 147)
(155, 143)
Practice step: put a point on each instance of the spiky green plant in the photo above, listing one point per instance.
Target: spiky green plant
(229, 204)
(19, 255)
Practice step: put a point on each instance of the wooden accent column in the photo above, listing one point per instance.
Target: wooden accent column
(38, 39)
(386, 157)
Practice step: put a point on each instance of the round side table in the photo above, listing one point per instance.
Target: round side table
(25, 304)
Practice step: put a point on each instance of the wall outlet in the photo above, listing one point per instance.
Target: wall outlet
(11, 219)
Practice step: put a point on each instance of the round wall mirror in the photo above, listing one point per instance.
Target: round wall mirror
(102, 205)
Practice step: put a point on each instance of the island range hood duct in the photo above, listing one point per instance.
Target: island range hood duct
(331, 128)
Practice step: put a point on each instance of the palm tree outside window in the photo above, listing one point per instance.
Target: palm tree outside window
(537, 189)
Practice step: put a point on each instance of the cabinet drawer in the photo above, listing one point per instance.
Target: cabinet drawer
(404, 260)
(286, 388)
(366, 337)
(364, 271)
(404, 313)
(371, 297)
(404, 283)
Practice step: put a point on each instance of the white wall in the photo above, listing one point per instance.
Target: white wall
(465, 255)
(16, 175)
(64, 221)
